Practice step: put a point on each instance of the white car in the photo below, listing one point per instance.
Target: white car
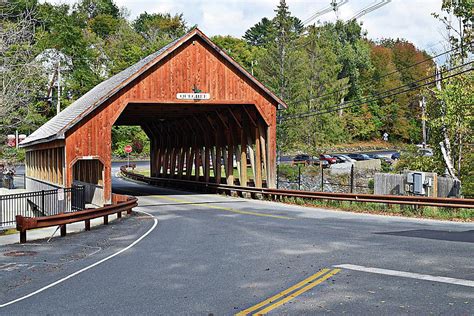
(344, 158)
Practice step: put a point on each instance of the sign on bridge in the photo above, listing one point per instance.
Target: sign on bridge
(193, 96)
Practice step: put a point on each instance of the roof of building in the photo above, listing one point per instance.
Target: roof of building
(57, 127)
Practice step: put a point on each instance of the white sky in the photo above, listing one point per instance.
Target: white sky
(409, 19)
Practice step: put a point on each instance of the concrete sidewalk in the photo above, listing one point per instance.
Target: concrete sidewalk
(43, 233)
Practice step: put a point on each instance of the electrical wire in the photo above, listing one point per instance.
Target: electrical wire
(384, 76)
(380, 96)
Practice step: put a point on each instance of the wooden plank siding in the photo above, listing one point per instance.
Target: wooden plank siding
(45, 165)
(184, 133)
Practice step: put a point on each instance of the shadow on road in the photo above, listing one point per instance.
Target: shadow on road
(146, 190)
(190, 202)
(461, 236)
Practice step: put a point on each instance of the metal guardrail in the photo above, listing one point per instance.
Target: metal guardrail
(40, 203)
(122, 204)
(277, 194)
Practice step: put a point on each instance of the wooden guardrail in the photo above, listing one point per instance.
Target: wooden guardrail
(120, 204)
(276, 194)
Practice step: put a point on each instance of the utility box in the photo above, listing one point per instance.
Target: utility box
(418, 183)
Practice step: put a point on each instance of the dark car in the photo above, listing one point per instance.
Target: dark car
(395, 156)
(328, 158)
(359, 157)
(302, 159)
(382, 158)
(375, 156)
(324, 163)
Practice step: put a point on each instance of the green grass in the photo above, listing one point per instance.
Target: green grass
(9, 231)
(385, 209)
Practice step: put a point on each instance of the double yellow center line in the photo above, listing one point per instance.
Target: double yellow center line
(290, 293)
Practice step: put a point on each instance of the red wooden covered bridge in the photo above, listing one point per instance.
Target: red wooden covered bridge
(204, 115)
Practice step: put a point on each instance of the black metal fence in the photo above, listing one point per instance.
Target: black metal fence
(319, 179)
(40, 203)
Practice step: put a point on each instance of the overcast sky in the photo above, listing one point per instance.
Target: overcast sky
(409, 19)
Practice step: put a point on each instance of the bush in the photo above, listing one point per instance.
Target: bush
(12, 155)
(411, 160)
(289, 172)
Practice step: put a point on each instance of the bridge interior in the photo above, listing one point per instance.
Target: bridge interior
(217, 143)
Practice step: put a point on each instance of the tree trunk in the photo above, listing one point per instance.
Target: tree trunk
(447, 160)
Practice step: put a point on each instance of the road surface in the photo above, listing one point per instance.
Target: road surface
(215, 255)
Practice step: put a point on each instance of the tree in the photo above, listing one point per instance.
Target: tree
(21, 76)
(452, 119)
(94, 8)
(159, 29)
(260, 33)
(245, 54)
(281, 63)
(452, 116)
(460, 35)
(320, 78)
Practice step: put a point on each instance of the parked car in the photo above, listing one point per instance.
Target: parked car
(324, 163)
(343, 158)
(328, 158)
(359, 157)
(302, 159)
(382, 158)
(395, 156)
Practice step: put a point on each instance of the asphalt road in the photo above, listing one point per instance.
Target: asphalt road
(215, 255)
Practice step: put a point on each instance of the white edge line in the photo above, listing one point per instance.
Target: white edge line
(86, 268)
(410, 275)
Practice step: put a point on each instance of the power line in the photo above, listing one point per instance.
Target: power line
(369, 9)
(380, 96)
(341, 106)
(335, 5)
(384, 76)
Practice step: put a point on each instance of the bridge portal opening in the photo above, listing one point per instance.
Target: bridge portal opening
(90, 174)
(218, 143)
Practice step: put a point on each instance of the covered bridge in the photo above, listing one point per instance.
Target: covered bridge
(203, 113)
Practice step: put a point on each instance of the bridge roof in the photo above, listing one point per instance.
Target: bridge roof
(57, 127)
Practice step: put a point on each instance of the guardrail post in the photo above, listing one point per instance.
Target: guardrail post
(22, 237)
(63, 230)
(119, 214)
(106, 219)
(352, 178)
(87, 224)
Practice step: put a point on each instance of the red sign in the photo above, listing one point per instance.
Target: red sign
(128, 149)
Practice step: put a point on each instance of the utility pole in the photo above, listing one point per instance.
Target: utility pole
(423, 119)
(340, 109)
(58, 106)
(252, 64)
